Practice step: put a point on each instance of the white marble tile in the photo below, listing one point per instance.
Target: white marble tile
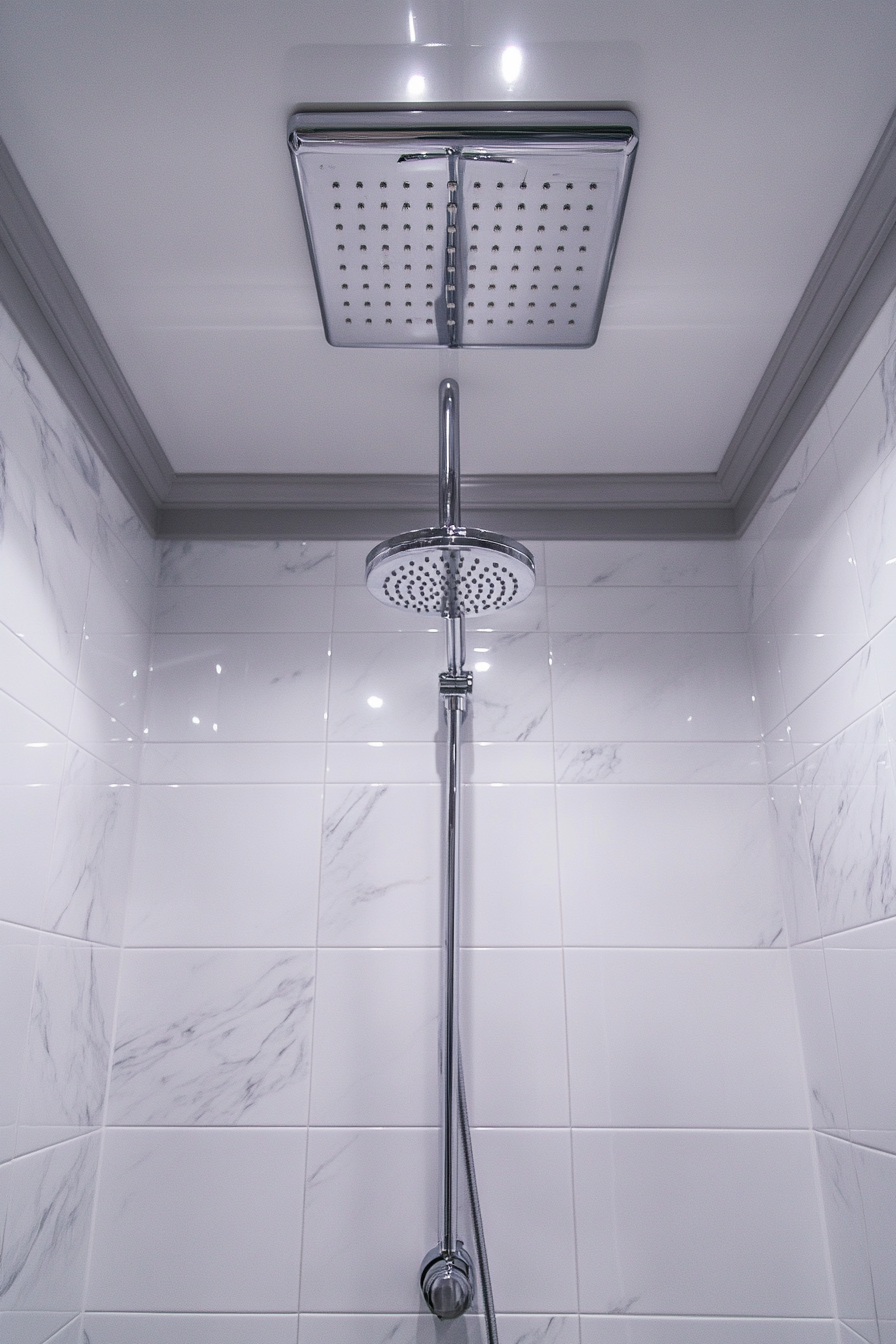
(114, 653)
(794, 861)
(880, 934)
(50, 449)
(385, 762)
(508, 762)
(818, 615)
(525, 1190)
(384, 687)
(369, 1328)
(509, 877)
(228, 563)
(849, 807)
(698, 1224)
(212, 1038)
(767, 690)
(628, 1329)
(847, 1240)
(872, 525)
(232, 763)
(864, 364)
(370, 1206)
(32, 681)
(131, 577)
(43, 574)
(863, 998)
(627, 564)
(511, 699)
(350, 560)
(21, 727)
(659, 763)
(755, 590)
(18, 957)
(866, 437)
(201, 1220)
(515, 1037)
(113, 674)
(851, 692)
(113, 1327)
(10, 339)
(376, 1037)
(652, 687)
(27, 824)
(883, 658)
(683, 1039)
(778, 752)
(623, 610)
(238, 688)
(705, 879)
(266, 610)
(105, 737)
(380, 865)
(91, 851)
(813, 508)
(50, 1200)
(69, 1042)
(821, 1057)
(802, 461)
(221, 865)
(877, 1182)
(424, 762)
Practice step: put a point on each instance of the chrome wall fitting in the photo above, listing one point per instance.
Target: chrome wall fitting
(446, 1280)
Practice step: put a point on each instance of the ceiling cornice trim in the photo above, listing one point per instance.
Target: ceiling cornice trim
(364, 505)
(42, 298)
(677, 522)
(851, 282)
(847, 289)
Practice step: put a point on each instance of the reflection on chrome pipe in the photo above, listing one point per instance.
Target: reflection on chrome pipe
(446, 1275)
(449, 453)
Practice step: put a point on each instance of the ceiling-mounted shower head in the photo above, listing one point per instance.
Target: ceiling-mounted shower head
(450, 570)
(467, 227)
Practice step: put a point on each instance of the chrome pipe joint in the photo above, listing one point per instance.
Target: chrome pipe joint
(447, 1282)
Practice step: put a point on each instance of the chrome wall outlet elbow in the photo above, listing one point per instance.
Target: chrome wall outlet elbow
(447, 1282)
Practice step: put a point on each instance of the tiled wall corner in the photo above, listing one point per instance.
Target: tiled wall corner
(817, 573)
(77, 575)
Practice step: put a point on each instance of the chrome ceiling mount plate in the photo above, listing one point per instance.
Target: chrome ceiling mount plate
(462, 227)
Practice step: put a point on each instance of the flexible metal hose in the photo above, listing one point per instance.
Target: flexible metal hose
(488, 1302)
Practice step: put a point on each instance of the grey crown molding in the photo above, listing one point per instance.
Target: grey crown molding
(856, 274)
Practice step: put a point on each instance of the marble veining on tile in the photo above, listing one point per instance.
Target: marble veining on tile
(218, 1038)
(69, 1040)
(47, 1225)
(848, 797)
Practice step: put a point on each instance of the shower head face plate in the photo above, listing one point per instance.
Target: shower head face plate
(458, 234)
(464, 571)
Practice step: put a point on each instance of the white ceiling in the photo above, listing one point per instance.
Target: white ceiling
(152, 136)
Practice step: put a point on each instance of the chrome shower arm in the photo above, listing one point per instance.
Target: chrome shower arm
(449, 453)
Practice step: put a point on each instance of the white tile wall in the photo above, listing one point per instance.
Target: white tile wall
(823, 664)
(634, 1054)
(77, 576)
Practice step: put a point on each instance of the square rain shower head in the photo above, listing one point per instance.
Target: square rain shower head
(465, 227)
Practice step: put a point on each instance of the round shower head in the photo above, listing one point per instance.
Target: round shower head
(450, 571)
